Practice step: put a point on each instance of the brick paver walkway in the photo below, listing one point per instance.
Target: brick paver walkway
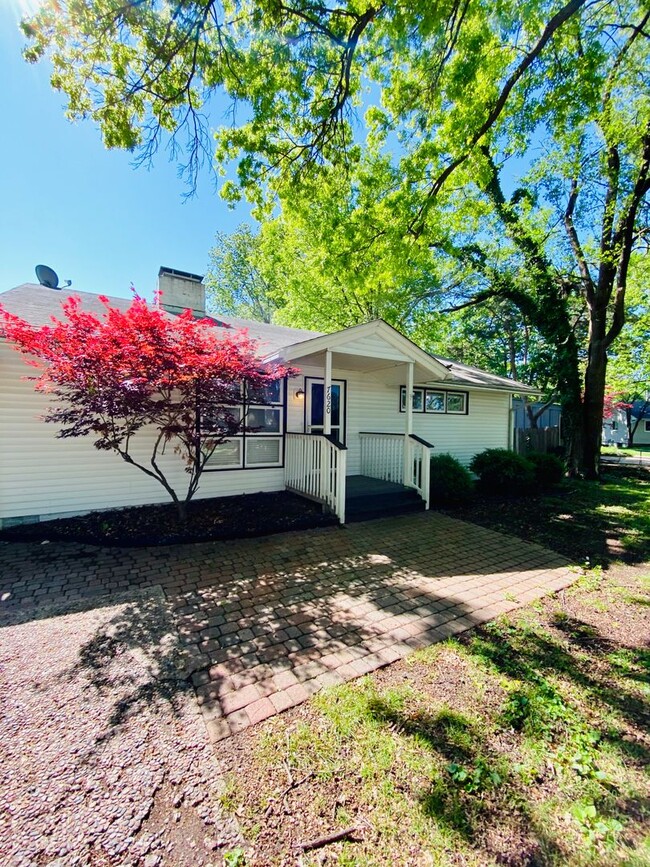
(276, 619)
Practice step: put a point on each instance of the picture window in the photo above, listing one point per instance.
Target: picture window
(436, 401)
(256, 424)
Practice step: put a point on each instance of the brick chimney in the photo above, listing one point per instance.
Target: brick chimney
(180, 291)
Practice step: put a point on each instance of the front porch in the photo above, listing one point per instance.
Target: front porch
(394, 477)
(350, 443)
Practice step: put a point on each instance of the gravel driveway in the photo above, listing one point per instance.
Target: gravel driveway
(105, 759)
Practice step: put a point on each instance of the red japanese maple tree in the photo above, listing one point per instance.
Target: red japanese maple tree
(129, 371)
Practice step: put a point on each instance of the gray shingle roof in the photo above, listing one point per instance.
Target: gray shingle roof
(468, 375)
(38, 304)
(271, 337)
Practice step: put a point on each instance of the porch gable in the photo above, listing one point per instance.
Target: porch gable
(375, 343)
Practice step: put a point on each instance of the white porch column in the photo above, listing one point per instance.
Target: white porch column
(408, 425)
(327, 394)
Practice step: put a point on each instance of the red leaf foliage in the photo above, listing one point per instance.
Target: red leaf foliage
(114, 374)
(613, 400)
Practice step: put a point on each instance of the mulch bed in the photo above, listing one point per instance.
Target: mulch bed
(208, 520)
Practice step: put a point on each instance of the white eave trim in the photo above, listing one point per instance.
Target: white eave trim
(377, 326)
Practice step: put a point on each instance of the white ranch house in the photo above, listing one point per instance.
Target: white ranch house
(615, 430)
(343, 432)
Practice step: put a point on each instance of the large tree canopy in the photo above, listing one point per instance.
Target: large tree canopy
(302, 77)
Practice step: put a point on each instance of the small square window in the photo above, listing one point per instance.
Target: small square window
(226, 455)
(456, 402)
(221, 418)
(269, 393)
(263, 451)
(262, 420)
(435, 401)
(418, 399)
(231, 391)
(614, 425)
(647, 427)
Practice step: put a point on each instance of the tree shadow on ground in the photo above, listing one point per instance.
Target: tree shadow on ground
(260, 607)
(476, 788)
(467, 797)
(531, 660)
(585, 520)
(136, 657)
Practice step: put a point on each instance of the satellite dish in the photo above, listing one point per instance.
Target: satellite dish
(48, 277)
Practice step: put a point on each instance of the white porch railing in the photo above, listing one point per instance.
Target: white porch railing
(315, 467)
(383, 456)
(418, 463)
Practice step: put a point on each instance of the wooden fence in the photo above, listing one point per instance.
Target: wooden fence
(541, 439)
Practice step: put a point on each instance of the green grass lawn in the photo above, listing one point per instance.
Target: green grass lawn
(634, 451)
(525, 743)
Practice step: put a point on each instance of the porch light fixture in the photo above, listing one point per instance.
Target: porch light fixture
(300, 393)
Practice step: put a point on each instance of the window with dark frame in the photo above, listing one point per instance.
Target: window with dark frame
(418, 399)
(436, 401)
(260, 443)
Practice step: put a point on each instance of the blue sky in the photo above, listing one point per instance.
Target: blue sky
(69, 203)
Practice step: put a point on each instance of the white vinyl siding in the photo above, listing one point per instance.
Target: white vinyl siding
(372, 346)
(41, 475)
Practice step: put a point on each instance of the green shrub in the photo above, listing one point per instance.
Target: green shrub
(549, 469)
(503, 472)
(451, 483)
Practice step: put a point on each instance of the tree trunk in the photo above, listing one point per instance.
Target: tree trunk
(181, 508)
(594, 394)
(569, 388)
(631, 429)
(572, 432)
(532, 416)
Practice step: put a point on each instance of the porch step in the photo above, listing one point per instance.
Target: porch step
(368, 498)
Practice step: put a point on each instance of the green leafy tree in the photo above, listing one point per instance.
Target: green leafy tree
(237, 282)
(336, 256)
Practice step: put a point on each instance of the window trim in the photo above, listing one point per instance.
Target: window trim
(240, 466)
(465, 397)
(243, 435)
(402, 393)
(429, 391)
(262, 431)
(278, 438)
(426, 391)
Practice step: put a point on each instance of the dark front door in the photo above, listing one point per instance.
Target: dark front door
(315, 406)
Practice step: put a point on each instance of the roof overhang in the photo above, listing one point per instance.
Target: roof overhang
(356, 351)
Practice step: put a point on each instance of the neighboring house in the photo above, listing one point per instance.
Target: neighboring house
(343, 428)
(615, 430)
(550, 417)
